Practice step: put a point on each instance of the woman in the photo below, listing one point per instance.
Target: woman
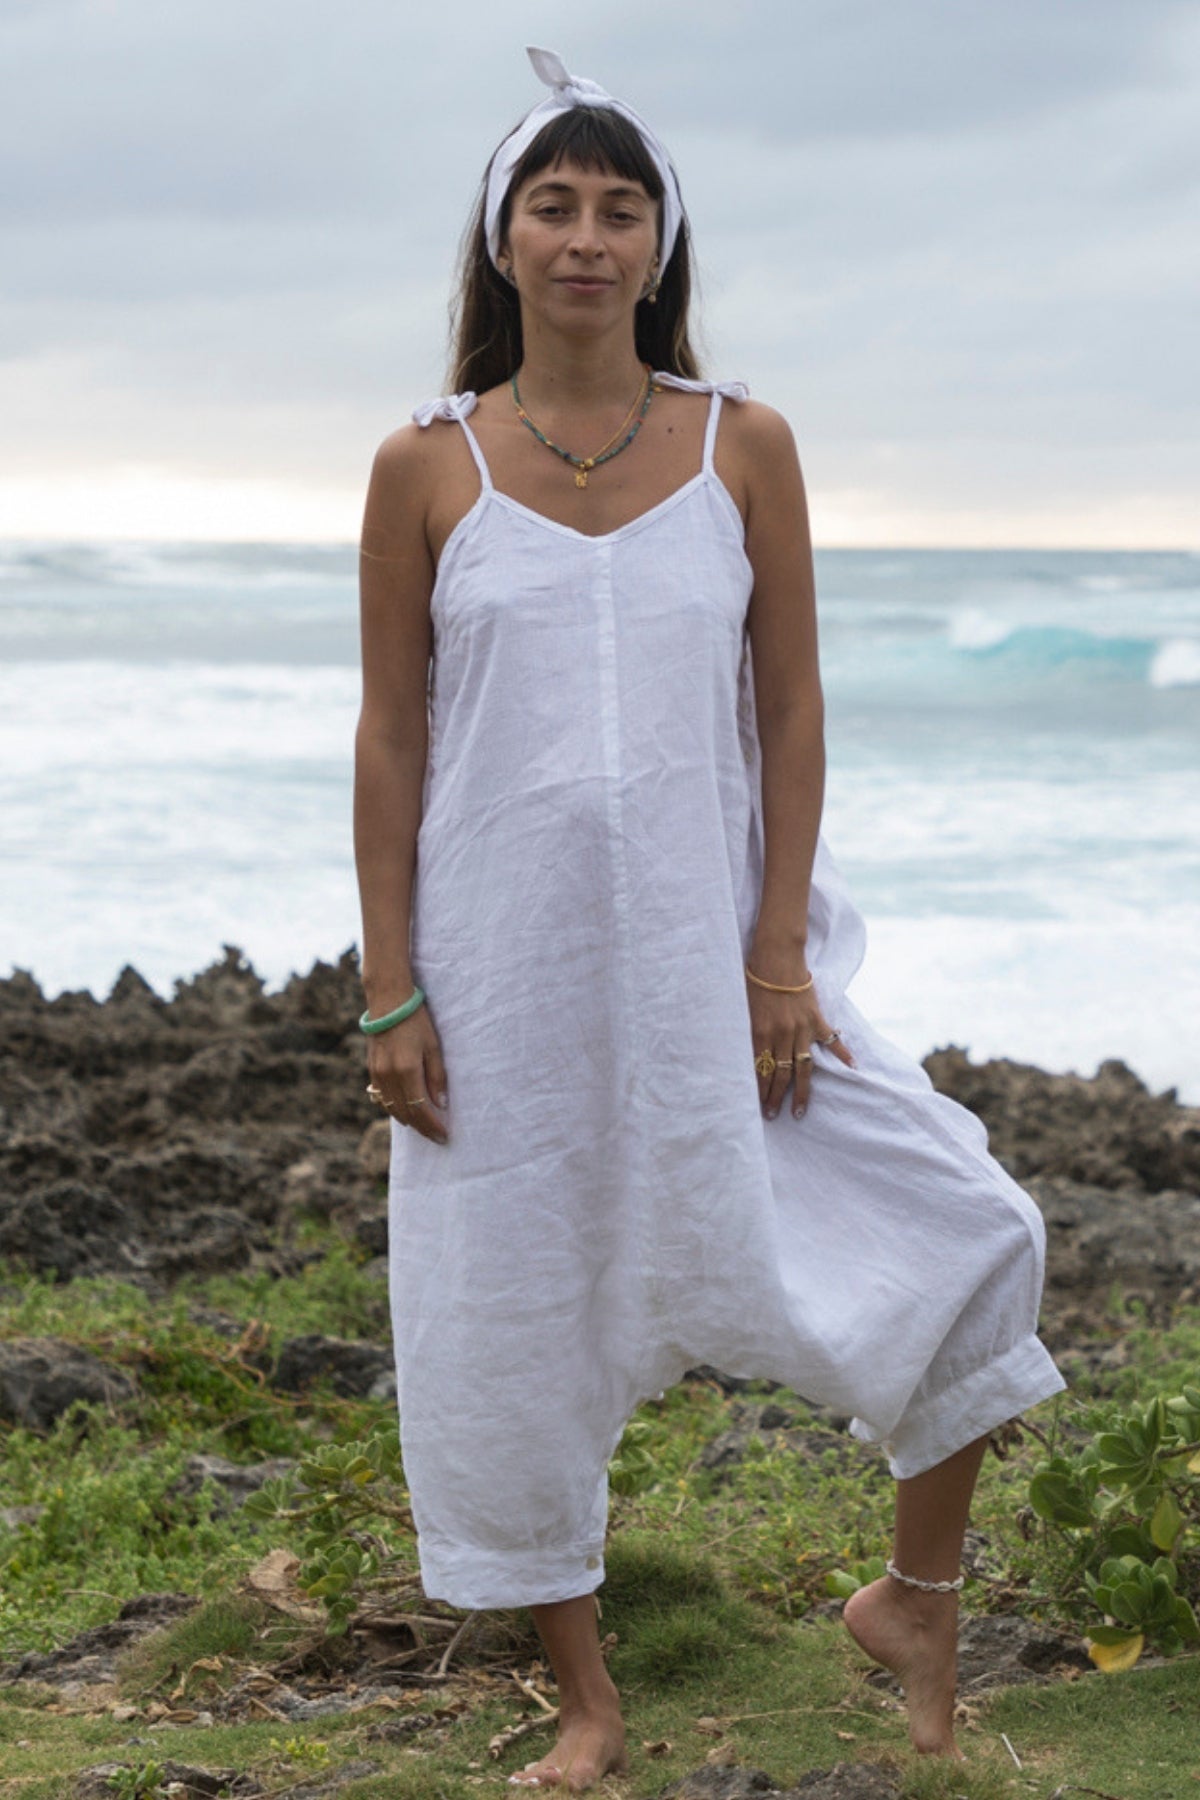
(637, 1123)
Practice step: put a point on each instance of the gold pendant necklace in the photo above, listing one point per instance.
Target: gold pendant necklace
(583, 465)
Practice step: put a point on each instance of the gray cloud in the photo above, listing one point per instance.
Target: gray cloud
(228, 230)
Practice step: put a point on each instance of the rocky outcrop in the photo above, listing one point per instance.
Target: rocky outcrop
(232, 1482)
(1106, 1130)
(41, 1377)
(92, 1656)
(353, 1370)
(144, 1136)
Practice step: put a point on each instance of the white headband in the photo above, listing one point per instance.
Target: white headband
(569, 91)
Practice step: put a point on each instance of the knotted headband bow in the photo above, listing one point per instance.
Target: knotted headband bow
(569, 91)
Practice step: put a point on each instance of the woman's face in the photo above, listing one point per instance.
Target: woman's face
(582, 243)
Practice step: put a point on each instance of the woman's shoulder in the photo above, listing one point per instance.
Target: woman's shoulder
(756, 422)
(405, 448)
(759, 430)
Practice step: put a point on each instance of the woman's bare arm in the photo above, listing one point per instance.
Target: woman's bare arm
(789, 701)
(782, 620)
(396, 576)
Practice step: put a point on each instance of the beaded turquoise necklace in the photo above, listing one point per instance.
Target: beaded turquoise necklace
(583, 465)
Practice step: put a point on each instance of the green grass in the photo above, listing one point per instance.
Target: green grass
(713, 1576)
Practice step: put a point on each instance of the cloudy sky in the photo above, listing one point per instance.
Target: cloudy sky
(957, 242)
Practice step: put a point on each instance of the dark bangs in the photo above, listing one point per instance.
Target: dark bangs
(594, 138)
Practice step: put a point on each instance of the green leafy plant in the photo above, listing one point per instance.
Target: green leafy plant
(142, 1781)
(634, 1469)
(334, 1493)
(312, 1753)
(1124, 1503)
(339, 1493)
(841, 1583)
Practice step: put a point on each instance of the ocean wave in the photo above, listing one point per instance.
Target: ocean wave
(1034, 650)
(1176, 664)
(974, 629)
(25, 566)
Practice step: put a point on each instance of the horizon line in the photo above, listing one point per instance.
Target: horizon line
(351, 544)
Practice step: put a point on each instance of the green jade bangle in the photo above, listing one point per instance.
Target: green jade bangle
(368, 1024)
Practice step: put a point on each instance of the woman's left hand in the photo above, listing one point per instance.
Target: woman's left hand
(791, 1027)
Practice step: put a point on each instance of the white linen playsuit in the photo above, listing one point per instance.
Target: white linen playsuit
(613, 1207)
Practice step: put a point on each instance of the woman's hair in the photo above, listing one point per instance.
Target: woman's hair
(486, 315)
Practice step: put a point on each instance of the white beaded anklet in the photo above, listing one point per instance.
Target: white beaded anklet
(927, 1587)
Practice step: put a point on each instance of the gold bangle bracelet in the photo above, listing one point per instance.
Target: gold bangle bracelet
(774, 986)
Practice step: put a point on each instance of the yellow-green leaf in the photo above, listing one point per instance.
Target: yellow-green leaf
(1113, 1659)
(1194, 1465)
(1165, 1521)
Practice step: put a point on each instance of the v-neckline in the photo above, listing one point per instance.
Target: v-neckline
(488, 493)
(598, 537)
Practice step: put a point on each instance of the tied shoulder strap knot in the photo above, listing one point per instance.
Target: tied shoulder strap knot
(446, 406)
(728, 390)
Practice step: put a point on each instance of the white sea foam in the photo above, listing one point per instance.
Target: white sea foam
(1176, 664)
(972, 629)
(1062, 994)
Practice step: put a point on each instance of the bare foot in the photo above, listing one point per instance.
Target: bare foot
(591, 1745)
(915, 1635)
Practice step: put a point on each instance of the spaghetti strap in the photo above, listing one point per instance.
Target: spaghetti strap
(710, 435)
(719, 390)
(456, 406)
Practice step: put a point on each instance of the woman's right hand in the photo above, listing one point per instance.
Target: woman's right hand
(406, 1064)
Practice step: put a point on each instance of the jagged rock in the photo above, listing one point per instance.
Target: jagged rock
(351, 1368)
(62, 1228)
(328, 1706)
(92, 1655)
(846, 1781)
(235, 1480)
(149, 1137)
(316, 1786)
(13, 1517)
(728, 1384)
(222, 1324)
(1004, 1650)
(371, 1231)
(41, 1377)
(132, 989)
(1149, 1246)
(771, 1426)
(375, 1149)
(1104, 1131)
(710, 1783)
(197, 1783)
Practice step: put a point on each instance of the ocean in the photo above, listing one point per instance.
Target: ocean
(1013, 747)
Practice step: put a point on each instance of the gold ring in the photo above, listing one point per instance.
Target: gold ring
(375, 1093)
(805, 1056)
(764, 1062)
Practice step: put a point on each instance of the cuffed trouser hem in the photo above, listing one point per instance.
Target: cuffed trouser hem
(480, 1580)
(934, 1428)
